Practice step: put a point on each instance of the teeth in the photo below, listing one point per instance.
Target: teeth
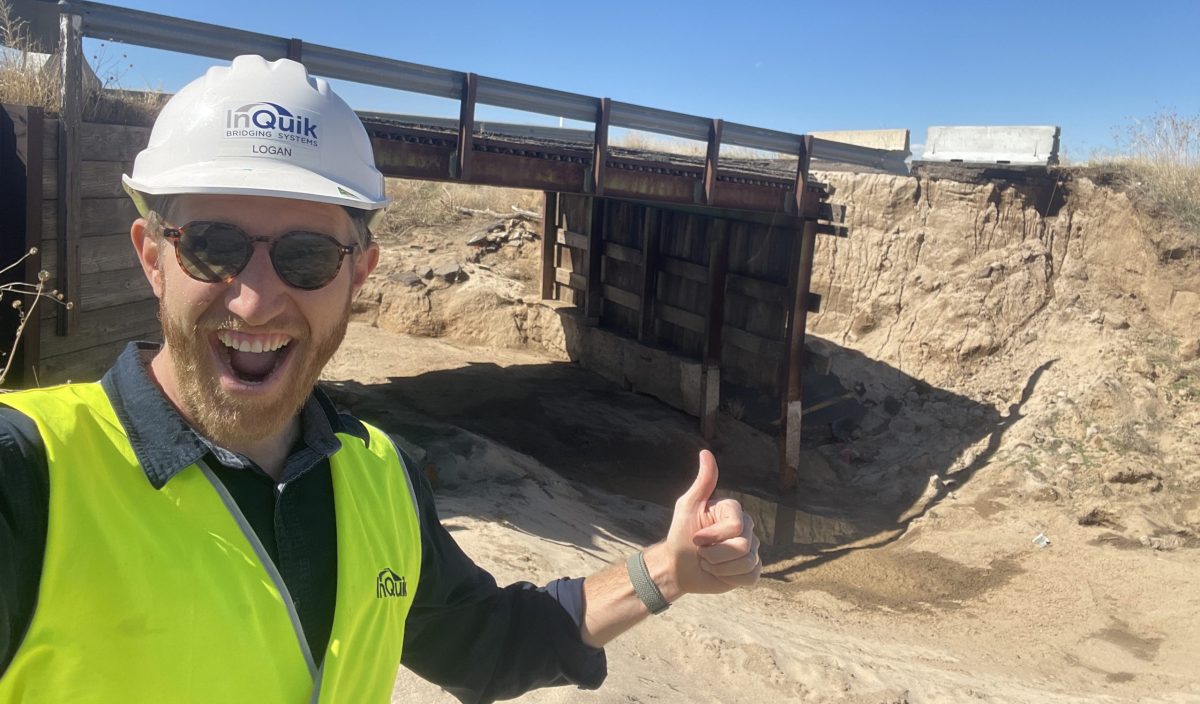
(244, 342)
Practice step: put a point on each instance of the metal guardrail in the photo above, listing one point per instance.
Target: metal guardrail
(157, 31)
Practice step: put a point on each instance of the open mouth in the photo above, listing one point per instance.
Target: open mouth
(253, 358)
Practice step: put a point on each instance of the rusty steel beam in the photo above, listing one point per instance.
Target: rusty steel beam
(466, 127)
(509, 171)
(600, 146)
(712, 160)
(400, 159)
(653, 181)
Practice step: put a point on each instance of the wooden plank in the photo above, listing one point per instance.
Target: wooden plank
(623, 298)
(105, 288)
(103, 142)
(100, 216)
(574, 240)
(69, 156)
(549, 229)
(621, 253)
(829, 212)
(832, 230)
(678, 316)
(685, 269)
(754, 344)
(570, 279)
(50, 138)
(120, 322)
(108, 253)
(758, 289)
(651, 226)
(97, 179)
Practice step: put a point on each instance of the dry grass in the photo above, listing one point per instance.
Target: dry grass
(1161, 161)
(29, 78)
(24, 80)
(432, 203)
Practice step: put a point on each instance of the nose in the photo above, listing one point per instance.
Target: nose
(257, 295)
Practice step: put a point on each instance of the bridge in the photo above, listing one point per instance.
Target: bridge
(702, 263)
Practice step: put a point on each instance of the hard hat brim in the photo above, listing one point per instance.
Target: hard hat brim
(246, 177)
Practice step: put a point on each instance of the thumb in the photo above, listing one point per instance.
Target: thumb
(706, 480)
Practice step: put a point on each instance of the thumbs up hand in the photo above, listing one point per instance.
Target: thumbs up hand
(711, 544)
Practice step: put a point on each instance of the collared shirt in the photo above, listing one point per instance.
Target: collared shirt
(479, 641)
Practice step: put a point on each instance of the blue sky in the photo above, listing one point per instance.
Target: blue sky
(1090, 67)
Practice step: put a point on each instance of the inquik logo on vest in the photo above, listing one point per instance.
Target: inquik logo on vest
(266, 129)
(388, 583)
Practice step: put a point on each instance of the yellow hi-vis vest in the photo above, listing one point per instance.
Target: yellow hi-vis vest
(167, 595)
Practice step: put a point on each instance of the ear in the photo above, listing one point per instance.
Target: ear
(363, 266)
(148, 249)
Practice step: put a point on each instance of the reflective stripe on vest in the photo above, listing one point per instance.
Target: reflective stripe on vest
(166, 595)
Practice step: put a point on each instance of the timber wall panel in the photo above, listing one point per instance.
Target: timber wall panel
(115, 303)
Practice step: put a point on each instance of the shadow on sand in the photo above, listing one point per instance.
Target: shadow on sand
(866, 485)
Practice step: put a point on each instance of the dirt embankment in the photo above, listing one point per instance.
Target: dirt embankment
(1057, 302)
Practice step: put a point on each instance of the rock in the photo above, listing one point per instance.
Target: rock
(406, 278)
(1097, 516)
(427, 272)
(480, 239)
(1130, 475)
(1097, 316)
(1189, 349)
(450, 271)
(985, 272)
(1116, 322)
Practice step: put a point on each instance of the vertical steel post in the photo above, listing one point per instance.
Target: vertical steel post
(712, 160)
(791, 368)
(549, 244)
(651, 226)
(600, 145)
(714, 324)
(466, 126)
(69, 193)
(593, 302)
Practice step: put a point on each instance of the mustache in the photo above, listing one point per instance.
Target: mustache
(293, 326)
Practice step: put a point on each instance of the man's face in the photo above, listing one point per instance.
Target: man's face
(245, 355)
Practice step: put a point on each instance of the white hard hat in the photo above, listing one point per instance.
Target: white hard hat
(262, 128)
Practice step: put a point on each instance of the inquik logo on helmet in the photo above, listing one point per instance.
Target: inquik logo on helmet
(284, 131)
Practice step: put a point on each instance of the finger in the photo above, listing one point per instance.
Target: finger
(705, 482)
(729, 523)
(748, 579)
(743, 565)
(733, 548)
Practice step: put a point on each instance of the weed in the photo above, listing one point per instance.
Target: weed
(1161, 161)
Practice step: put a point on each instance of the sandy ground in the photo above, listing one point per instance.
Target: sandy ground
(960, 606)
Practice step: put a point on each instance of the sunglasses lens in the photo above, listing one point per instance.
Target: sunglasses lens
(306, 260)
(213, 252)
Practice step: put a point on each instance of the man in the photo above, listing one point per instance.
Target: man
(202, 525)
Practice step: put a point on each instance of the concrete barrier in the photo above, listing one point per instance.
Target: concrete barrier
(1030, 146)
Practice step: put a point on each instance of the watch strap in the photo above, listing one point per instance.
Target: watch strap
(645, 587)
